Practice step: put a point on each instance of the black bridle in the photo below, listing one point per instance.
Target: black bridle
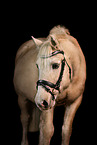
(46, 84)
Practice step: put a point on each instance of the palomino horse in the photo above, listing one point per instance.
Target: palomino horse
(49, 72)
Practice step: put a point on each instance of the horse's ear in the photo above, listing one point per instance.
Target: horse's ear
(36, 41)
(53, 41)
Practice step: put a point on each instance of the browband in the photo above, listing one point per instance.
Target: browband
(53, 53)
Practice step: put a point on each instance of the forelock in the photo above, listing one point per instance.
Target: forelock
(44, 50)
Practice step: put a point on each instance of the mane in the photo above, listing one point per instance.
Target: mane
(59, 30)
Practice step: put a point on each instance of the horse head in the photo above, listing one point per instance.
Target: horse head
(54, 71)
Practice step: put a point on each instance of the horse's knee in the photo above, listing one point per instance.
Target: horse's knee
(50, 131)
(65, 129)
(47, 131)
(24, 118)
(46, 134)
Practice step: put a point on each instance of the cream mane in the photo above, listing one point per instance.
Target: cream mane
(59, 30)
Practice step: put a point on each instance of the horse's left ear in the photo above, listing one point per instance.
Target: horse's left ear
(36, 41)
(53, 41)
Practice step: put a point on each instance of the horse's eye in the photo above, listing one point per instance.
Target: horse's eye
(55, 66)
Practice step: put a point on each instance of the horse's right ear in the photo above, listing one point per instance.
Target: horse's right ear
(37, 41)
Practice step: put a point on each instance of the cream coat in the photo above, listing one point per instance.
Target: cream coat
(27, 74)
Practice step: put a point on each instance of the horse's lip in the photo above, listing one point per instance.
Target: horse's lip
(43, 108)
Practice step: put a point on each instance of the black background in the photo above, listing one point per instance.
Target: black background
(22, 21)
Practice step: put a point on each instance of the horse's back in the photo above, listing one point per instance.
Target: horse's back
(26, 73)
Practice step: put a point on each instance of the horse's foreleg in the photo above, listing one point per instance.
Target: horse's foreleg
(68, 120)
(46, 127)
(34, 120)
(24, 118)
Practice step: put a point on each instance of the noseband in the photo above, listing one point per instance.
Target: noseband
(46, 84)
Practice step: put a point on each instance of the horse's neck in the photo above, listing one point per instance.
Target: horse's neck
(24, 48)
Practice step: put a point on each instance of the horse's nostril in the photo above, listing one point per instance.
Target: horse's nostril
(45, 104)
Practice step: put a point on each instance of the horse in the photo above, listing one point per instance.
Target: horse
(49, 72)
